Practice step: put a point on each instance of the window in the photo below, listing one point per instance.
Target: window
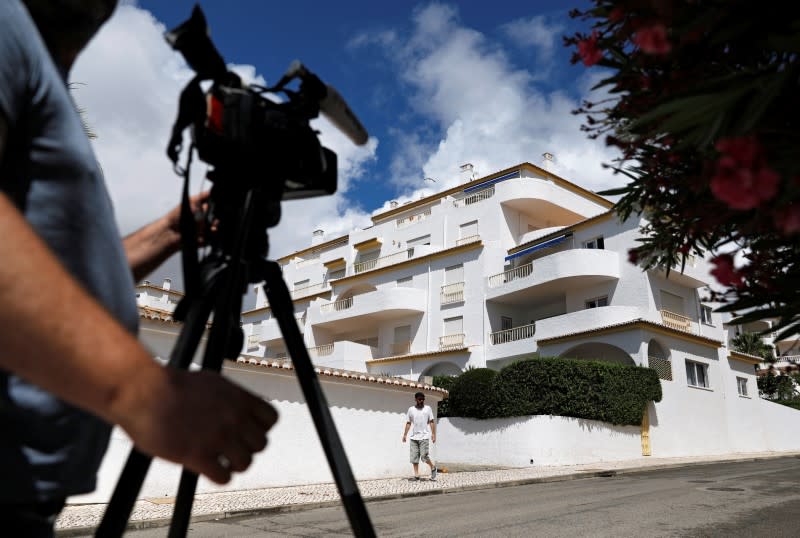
(506, 323)
(417, 241)
(468, 229)
(301, 284)
(405, 282)
(454, 274)
(454, 325)
(696, 374)
(672, 303)
(705, 314)
(338, 273)
(597, 302)
(741, 385)
(597, 242)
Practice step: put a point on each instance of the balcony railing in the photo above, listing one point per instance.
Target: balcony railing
(475, 197)
(253, 340)
(309, 290)
(451, 341)
(467, 240)
(384, 261)
(337, 306)
(452, 293)
(304, 263)
(320, 351)
(676, 321)
(512, 335)
(523, 271)
(413, 219)
(401, 348)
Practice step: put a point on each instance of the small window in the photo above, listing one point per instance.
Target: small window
(696, 374)
(506, 323)
(741, 385)
(301, 284)
(417, 241)
(705, 314)
(597, 242)
(338, 273)
(597, 302)
(405, 282)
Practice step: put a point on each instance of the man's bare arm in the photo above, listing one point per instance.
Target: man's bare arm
(151, 245)
(405, 432)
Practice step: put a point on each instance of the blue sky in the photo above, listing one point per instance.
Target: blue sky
(436, 84)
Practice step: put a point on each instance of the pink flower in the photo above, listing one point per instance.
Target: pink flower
(725, 272)
(653, 39)
(787, 219)
(633, 256)
(588, 50)
(742, 179)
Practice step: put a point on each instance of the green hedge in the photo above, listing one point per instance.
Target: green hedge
(592, 390)
(445, 382)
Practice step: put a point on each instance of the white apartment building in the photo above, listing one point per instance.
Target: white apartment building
(515, 264)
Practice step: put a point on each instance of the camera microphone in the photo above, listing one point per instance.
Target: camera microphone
(332, 105)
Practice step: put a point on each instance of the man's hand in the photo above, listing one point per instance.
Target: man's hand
(433, 438)
(196, 419)
(404, 438)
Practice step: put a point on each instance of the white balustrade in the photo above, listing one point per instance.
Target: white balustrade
(401, 348)
(467, 240)
(384, 261)
(676, 321)
(451, 341)
(475, 197)
(337, 306)
(512, 335)
(413, 219)
(320, 351)
(523, 271)
(452, 293)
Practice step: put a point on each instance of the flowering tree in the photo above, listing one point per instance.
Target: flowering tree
(703, 106)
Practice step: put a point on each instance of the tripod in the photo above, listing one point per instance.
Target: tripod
(223, 277)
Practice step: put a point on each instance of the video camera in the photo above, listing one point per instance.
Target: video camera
(243, 134)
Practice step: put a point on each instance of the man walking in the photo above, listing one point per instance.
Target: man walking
(420, 416)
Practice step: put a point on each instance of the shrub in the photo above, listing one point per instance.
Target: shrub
(592, 390)
(445, 382)
(472, 394)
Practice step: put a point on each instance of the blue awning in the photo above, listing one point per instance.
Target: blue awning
(492, 181)
(547, 244)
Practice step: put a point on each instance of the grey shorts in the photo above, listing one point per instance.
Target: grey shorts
(419, 450)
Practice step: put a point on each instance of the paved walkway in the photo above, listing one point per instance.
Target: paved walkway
(80, 519)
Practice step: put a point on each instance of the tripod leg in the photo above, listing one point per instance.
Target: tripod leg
(281, 304)
(119, 508)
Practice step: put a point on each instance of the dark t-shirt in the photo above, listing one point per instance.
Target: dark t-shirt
(49, 449)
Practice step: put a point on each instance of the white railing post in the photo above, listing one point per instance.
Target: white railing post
(336, 306)
(512, 335)
(676, 321)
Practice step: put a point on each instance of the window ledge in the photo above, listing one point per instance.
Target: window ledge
(744, 396)
(707, 389)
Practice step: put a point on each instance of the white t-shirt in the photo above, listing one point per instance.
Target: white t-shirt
(419, 419)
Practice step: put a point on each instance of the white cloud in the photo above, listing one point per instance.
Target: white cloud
(487, 111)
(129, 83)
(535, 32)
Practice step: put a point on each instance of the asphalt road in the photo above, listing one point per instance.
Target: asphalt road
(731, 500)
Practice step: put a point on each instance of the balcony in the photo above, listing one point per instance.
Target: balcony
(580, 266)
(474, 197)
(451, 341)
(368, 308)
(413, 219)
(313, 289)
(678, 322)
(512, 335)
(501, 279)
(467, 240)
(344, 354)
(383, 261)
(400, 348)
(452, 293)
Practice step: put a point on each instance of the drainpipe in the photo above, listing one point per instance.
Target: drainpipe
(428, 313)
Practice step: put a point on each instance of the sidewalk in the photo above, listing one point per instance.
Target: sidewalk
(77, 520)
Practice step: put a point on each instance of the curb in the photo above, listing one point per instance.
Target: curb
(579, 475)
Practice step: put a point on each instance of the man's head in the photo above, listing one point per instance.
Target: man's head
(68, 25)
(420, 399)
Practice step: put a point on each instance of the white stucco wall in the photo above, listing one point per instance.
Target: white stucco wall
(546, 440)
(369, 418)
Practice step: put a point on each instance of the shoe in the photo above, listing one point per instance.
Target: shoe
(434, 471)
(415, 479)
